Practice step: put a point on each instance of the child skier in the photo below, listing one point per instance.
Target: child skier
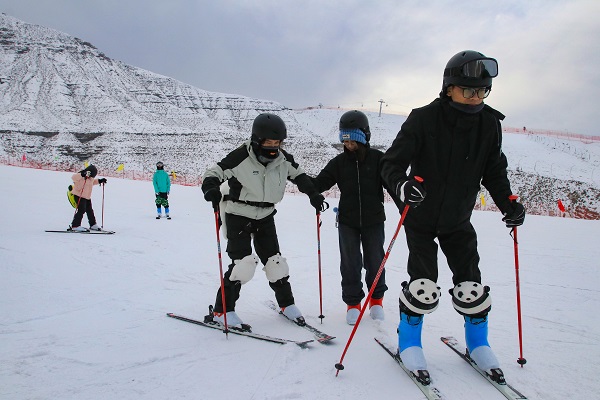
(256, 173)
(162, 188)
(455, 145)
(83, 181)
(357, 172)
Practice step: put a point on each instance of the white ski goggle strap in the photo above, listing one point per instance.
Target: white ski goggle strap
(481, 68)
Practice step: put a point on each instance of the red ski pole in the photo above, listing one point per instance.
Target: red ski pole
(520, 360)
(339, 366)
(224, 304)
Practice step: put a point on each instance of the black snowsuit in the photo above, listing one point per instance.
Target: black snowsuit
(361, 218)
(454, 152)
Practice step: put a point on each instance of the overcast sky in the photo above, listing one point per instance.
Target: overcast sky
(352, 53)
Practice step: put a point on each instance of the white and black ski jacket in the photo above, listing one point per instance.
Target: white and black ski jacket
(254, 188)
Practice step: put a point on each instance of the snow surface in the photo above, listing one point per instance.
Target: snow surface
(83, 316)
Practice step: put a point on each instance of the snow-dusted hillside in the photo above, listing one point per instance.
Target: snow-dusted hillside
(63, 102)
(60, 97)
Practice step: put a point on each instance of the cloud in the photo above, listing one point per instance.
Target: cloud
(351, 53)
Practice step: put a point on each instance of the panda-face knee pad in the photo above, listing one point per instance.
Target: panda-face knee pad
(421, 296)
(471, 298)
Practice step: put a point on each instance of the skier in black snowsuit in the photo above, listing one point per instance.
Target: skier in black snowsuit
(455, 145)
(361, 215)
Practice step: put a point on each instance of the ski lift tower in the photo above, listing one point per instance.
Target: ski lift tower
(380, 105)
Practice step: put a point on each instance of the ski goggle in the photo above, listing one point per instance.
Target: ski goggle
(159, 165)
(469, 92)
(481, 68)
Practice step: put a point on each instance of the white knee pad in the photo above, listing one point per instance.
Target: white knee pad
(244, 269)
(421, 296)
(471, 298)
(276, 268)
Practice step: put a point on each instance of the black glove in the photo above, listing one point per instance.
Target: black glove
(213, 196)
(318, 202)
(102, 181)
(411, 193)
(515, 216)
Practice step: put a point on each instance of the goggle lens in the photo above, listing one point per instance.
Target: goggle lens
(480, 69)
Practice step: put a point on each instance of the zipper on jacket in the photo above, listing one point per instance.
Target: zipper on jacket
(359, 195)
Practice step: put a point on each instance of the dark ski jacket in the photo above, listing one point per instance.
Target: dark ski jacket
(360, 184)
(454, 152)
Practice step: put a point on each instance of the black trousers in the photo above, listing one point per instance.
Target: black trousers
(352, 261)
(459, 247)
(84, 207)
(242, 233)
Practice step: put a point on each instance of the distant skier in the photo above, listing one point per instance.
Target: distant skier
(455, 145)
(83, 181)
(361, 215)
(162, 188)
(256, 173)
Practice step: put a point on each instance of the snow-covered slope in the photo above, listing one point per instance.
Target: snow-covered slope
(83, 317)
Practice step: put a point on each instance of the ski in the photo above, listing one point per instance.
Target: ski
(238, 331)
(321, 337)
(88, 231)
(430, 391)
(508, 391)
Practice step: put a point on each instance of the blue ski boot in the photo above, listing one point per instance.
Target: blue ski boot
(476, 334)
(410, 348)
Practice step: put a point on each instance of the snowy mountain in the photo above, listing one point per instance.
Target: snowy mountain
(61, 96)
(63, 102)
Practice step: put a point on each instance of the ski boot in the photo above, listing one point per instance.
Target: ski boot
(410, 348)
(352, 314)
(479, 350)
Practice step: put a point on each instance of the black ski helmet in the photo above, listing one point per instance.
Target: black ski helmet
(356, 120)
(93, 170)
(160, 165)
(268, 126)
(471, 69)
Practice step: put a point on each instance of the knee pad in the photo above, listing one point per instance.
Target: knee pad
(471, 298)
(243, 270)
(276, 268)
(421, 296)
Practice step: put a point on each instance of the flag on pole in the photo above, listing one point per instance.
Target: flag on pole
(482, 200)
(174, 175)
(120, 167)
(561, 206)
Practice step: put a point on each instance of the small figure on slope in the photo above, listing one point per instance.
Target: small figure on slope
(83, 182)
(162, 188)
